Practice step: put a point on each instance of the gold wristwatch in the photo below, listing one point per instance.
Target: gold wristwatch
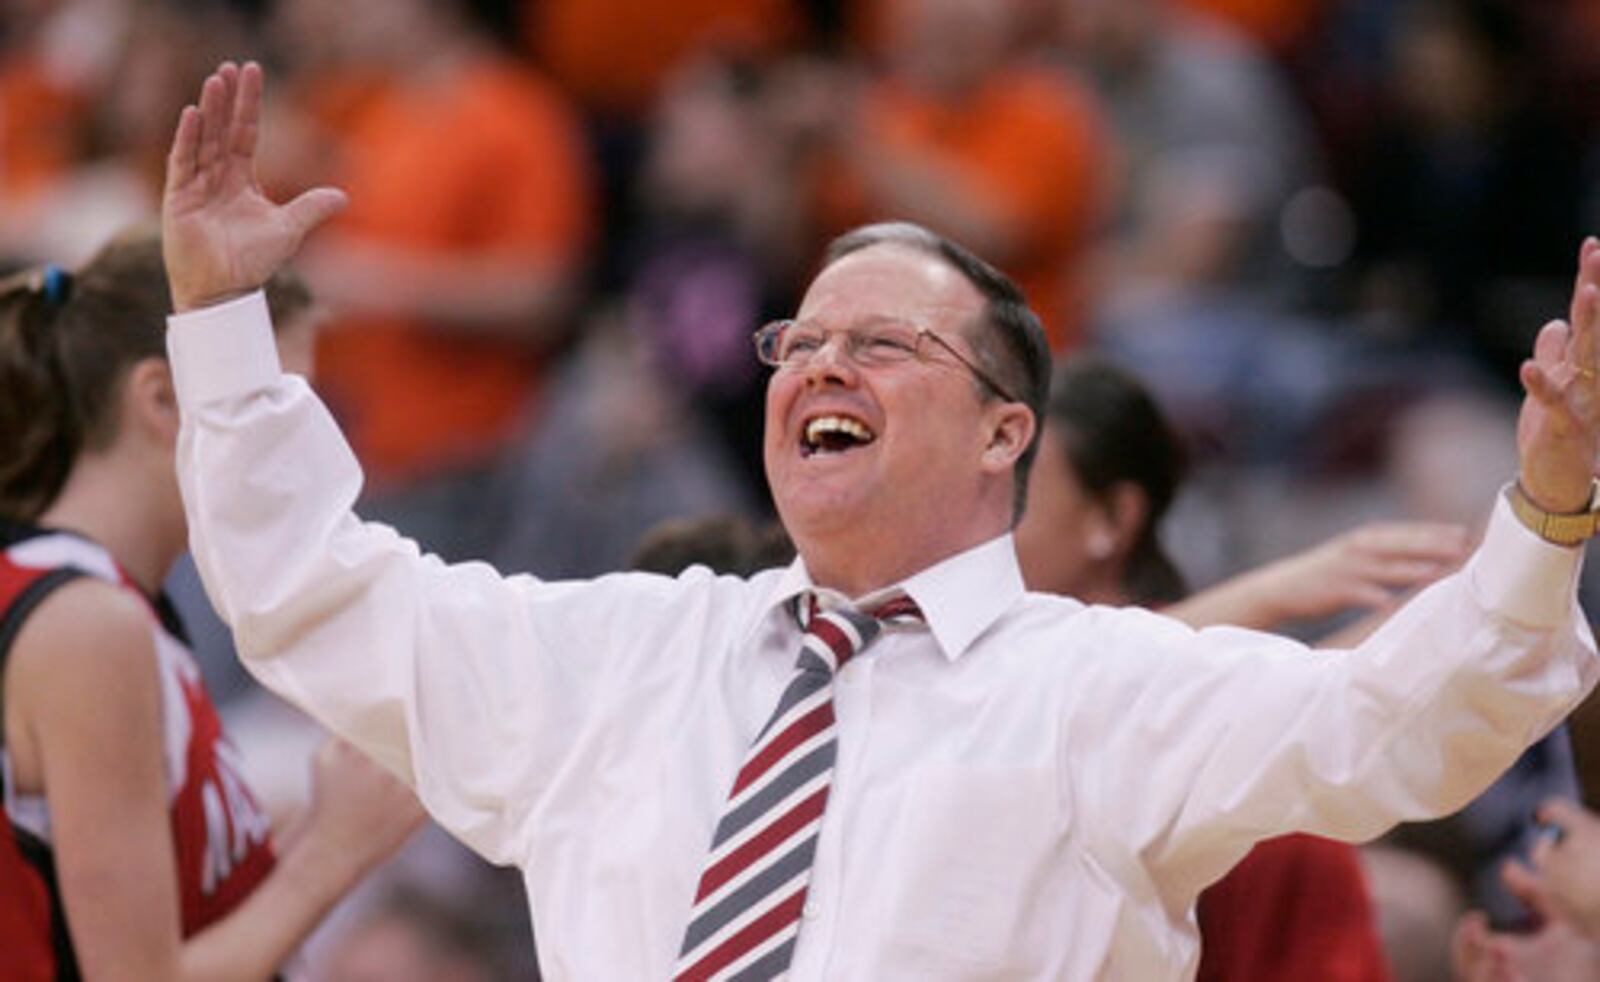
(1562, 529)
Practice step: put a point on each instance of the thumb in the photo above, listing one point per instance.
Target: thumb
(1551, 343)
(1524, 884)
(313, 208)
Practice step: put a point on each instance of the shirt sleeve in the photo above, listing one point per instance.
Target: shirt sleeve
(474, 687)
(1238, 736)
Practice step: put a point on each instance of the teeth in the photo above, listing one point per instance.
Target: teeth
(836, 424)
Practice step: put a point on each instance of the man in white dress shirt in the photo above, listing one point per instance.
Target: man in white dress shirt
(1025, 787)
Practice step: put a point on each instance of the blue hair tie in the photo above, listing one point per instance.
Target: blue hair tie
(57, 285)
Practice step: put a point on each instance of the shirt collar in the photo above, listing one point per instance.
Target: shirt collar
(960, 597)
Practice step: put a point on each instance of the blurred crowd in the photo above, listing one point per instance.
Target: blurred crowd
(1322, 233)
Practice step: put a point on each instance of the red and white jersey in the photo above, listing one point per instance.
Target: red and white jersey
(222, 836)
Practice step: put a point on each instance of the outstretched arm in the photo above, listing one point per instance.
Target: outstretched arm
(1362, 568)
(433, 670)
(222, 236)
(1415, 721)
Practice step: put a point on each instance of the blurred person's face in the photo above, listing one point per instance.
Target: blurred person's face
(158, 61)
(917, 473)
(706, 145)
(951, 45)
(1066, 541)
(1442, 78)
(1109, 35)
(313, 33)
(389, 33)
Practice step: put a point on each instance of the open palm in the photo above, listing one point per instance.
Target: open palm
(1558, 433)
(222, 236)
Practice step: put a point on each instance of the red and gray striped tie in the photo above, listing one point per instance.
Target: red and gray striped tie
(747, 908)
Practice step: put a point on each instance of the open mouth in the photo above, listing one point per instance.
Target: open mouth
(833, 434)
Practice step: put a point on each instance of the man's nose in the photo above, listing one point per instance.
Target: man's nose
(834, 360)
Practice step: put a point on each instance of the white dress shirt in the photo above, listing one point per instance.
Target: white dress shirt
(1026, 788)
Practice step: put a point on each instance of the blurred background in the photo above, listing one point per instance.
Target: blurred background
(1323, 232)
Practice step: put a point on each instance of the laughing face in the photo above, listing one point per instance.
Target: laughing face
(906, 463)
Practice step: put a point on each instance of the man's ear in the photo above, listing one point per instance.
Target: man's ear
(1011, 427)
(149, 402)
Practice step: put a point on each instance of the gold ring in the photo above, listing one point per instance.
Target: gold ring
(1587, 372)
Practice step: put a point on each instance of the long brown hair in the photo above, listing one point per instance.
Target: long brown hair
(1113, 432)
(67, 342)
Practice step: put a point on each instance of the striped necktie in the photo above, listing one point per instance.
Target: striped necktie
(747, 908)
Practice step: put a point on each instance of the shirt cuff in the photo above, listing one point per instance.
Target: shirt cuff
(222, 351)
(1521, 576)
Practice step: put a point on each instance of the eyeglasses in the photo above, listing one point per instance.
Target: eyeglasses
(793, 343)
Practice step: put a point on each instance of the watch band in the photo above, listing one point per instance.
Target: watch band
(1562, 529)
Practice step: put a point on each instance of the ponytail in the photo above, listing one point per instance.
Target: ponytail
(67, 343)
(39, 432)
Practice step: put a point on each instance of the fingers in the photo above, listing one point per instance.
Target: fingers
(1405, 572)
(1367, 596)
(1567, 819)
(1469, 948)
(1403, 554)
(1542, 385)
(181, 159)
(246, 115)
(216, 107)
(1588, 273)
(203, 129)
(1585, 313)
(1437, 542)
(1475, 952)
(1560, 811)
(1550, 346)
(313, 208)
(1524, 884)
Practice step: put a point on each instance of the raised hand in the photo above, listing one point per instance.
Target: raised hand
(1364, 567)
(1553, 952)
(1566, 868)
(222, 236)
(1368, 567)
(1558, 434)
(1555, 949)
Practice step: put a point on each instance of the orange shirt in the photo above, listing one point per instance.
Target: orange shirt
(1030, 143)
(492, 164)
(614, 54)
(40, 126)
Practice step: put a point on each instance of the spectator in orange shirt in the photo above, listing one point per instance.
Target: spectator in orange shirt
(455, 264)
(1213, 146)
(41, 122)
(614, 55)
(1006, 156)
(88, 92)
